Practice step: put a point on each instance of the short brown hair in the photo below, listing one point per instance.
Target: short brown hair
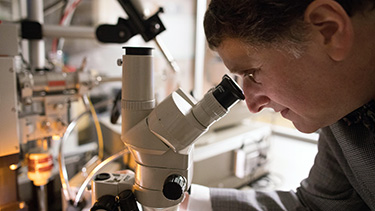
(262, 22)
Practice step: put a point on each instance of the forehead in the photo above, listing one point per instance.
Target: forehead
(237, 55)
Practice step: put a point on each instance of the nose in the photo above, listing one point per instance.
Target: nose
(255, 99)
(255, 105)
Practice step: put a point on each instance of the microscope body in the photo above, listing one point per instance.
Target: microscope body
(155, 159)
(163, 161)
(161, 139)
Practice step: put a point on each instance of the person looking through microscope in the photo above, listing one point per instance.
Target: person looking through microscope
(314, 62)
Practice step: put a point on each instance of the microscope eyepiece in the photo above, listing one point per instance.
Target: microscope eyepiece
(228, 92)
(141, 51)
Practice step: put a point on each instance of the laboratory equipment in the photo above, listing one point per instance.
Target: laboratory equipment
(114, 192)
(37, 95)
(161, 138)
(35, 113)
(34, 110)
(137, 23)
(9, 150)
(35, 106)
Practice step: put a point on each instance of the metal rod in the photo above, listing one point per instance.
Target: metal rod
(42, 198)
(37, 47)
(199, 50)
(105, 79)
(69, 32)
(167, 54)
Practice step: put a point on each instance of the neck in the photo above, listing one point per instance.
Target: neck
(364, 51)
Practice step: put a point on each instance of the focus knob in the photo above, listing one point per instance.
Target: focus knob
(127, 201)
(106, 202)
(174, 187)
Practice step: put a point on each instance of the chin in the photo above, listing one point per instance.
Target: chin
(306, 128)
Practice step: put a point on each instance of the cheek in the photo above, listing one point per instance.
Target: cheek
(289, 95)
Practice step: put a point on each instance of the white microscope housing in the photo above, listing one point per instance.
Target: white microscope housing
(161, 138)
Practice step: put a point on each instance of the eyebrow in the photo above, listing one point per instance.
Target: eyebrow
(236, 71)
(241, 71)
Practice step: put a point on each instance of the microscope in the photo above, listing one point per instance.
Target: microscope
(160, 138)
(36, 102)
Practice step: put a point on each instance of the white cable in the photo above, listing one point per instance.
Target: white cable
(95, 171)
(86, 100)
(62, 168)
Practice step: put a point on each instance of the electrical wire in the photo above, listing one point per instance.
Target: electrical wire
(69, 11)
(95, 171)
(52, 8)
(62, 167)
(99, 134)
(66, 19)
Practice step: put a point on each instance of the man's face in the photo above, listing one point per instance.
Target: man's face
(309, 90)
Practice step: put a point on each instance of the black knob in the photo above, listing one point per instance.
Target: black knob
(174, 187)
(102, 176)
(106, 202)
(127, 201)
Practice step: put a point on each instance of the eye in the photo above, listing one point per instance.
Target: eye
(252, 75)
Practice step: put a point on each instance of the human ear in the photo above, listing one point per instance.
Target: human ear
(334, 27)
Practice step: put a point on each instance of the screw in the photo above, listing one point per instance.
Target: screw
(28, 101)
(119, 62)
(121, 34)
(155, 27)
(46, 125)
(58, 106)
